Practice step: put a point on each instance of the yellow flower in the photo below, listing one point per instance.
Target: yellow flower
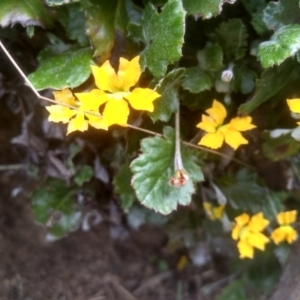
(217, 133)
(117, 87)
(285, 232)
(248, 233)
(213, 212)
(76, 117)
(294, 106)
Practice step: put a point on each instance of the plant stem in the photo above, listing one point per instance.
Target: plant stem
(177, 160)
(178, 165)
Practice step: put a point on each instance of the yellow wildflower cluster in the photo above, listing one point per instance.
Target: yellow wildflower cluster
(294, 106)
(214, 212)
(285, 232)
(248, 232)
(113, 90)
(217, 133)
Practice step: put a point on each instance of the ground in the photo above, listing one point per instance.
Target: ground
(109, 261)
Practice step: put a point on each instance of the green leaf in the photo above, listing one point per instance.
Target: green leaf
(153, 169)
(279, 148)
(74, 150)
(232, 37)
(162, 34)
(100, 27)
(68, 69)
(257, 198)
(205, 9)
(73, 20)
(168, 103)
(27, 13)
(264, 272)
(103, 18)
(211, 57)
(233, 291)
(56, 198)
(122, 186)
(83, 174)
(272, 82)
(283, 44)
(243, 80)
(196, 80)
(59, 2)
(255, 9)
(280, 13)
(55, 47)
(127, 12)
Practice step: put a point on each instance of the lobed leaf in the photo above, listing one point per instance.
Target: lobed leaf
(56, 198)
(271, 82)
(154, 167)
(255, 8)
(27, 13)
(279, 148)
(281, 13)
(283, 44)
(232, 37)
(205, 9)
(122, 186)
(211, 57)
(168, 103)
(73, 20)
(103, 18)
(162, 33)
(60, 2)
(257, 198)
(196, 80)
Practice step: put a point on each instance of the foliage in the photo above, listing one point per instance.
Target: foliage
(224, 69)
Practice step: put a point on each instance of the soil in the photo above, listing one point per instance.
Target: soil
(87, 265)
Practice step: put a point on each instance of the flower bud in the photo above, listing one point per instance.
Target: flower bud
(227, 75)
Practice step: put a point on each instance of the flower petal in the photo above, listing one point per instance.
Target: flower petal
(242, 219)
(129, 72)
(258, 223)
(286, 218)
(106, 78)
(212, 140)
(284, 233)
(142, 99)
(294, 105)
(234, 138)
(213, 212)
(245, 249)
(257, 240)
(97, 122)
(236, 232)
(241, 123)
(65, 96)
(78, 123)
(59, 113)
(92, 100)
(291, 235)
(278, 235)
(116, 112)
(207, 124)
(217, 112)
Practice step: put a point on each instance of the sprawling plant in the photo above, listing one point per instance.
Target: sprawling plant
(207, 81)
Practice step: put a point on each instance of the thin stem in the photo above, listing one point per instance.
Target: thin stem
(219, 154)
(177, 160)
(178, 165)
(11, 167)
(19, 69)
(144, 130)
